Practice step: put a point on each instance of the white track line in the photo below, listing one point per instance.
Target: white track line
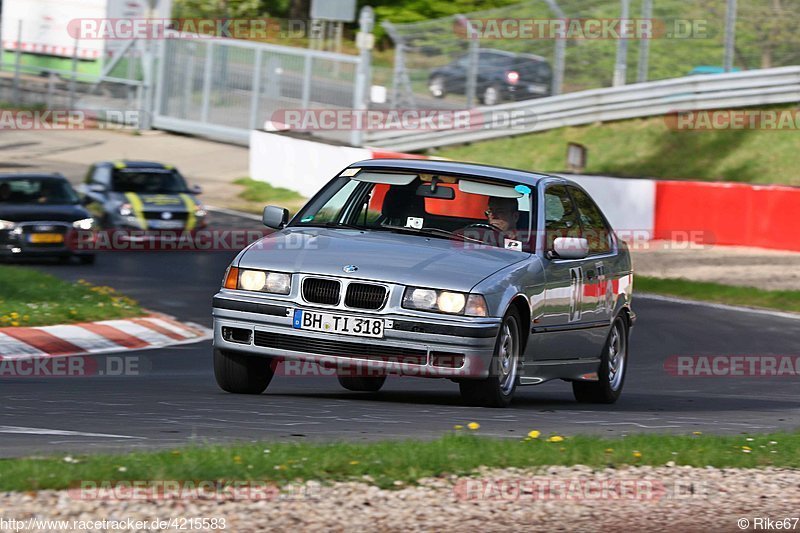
(724, 307)
(62, 432)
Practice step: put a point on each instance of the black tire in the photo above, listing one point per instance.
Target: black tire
(86, 259)
(492, 95)
(362, 384)
(498, 389)
(607, 389)
(437, 80)
(242, 374)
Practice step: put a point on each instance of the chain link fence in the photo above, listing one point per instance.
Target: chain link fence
(243, 85)
(574, 45)
(104, 91)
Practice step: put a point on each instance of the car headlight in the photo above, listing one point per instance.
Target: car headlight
(84, 224)
(258, 280)
(125, 210)
(440, 301)
(7, 224)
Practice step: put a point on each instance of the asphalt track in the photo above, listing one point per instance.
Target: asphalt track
(175, 401)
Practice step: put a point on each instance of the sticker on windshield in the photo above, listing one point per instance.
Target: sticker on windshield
(511, 244)
(414, 222)
(349, 172)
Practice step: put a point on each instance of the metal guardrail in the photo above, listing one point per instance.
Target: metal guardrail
(714, 91)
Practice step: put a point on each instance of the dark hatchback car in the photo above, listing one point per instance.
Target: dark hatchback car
(38, 215)
(501, 76)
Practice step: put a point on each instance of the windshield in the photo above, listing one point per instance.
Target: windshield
(48, 191)
(148, 181)
(467, 209)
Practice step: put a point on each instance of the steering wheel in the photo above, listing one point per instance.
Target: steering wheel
(481, 228)
(481, 225)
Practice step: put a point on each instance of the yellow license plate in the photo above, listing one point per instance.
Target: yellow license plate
(46, 238)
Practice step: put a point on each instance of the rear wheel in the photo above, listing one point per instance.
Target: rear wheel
(613, 364)
(362, 384)
(242, 374)
(498, 389)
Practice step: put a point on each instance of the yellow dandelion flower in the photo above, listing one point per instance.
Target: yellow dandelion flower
(697, 432)
(556, 438)
(473, 426)
(458, 426)
(237, 459)
(353, 462)
(15, 323)
(747, 449)
(14, 315)
(609, 450)
(637, 454)
(534, 434)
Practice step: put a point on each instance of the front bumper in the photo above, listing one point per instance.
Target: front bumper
(20, 243)
(450, 347)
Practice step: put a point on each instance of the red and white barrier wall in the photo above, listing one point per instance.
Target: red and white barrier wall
(705, 212)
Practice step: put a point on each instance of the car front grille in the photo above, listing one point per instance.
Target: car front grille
(321, 291)
(365, 296)
(158, 215)
(372, 351)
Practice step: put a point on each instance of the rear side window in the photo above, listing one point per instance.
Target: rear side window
(594, 227)
(560, 215)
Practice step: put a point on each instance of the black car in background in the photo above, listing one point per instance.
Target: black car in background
(501, 76)
(38, 215)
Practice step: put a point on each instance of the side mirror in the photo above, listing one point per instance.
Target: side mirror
(275, 217)
(196, 189)
(570, 248)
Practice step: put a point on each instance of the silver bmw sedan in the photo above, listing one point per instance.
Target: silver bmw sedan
(492, 277)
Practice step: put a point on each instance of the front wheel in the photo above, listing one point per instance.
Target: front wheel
(498, 389)
(242, 374)
(613, 364)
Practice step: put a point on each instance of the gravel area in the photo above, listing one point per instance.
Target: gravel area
(665, 498)
(731, 265)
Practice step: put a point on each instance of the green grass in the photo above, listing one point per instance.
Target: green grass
(257, 194)
(31, 298)
(649, 148)
(405, 461)
(719, 293)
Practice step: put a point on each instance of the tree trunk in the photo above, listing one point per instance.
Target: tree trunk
(299, 9)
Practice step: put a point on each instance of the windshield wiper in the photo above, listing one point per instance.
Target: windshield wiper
(436, 232)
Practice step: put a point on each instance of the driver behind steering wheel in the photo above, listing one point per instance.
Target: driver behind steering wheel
(503, 214)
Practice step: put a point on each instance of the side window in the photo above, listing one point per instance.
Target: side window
(594, 227)
(330, 210)
(560, 215)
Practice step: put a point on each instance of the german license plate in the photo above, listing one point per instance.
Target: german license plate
(330, 323)
(45, 238)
